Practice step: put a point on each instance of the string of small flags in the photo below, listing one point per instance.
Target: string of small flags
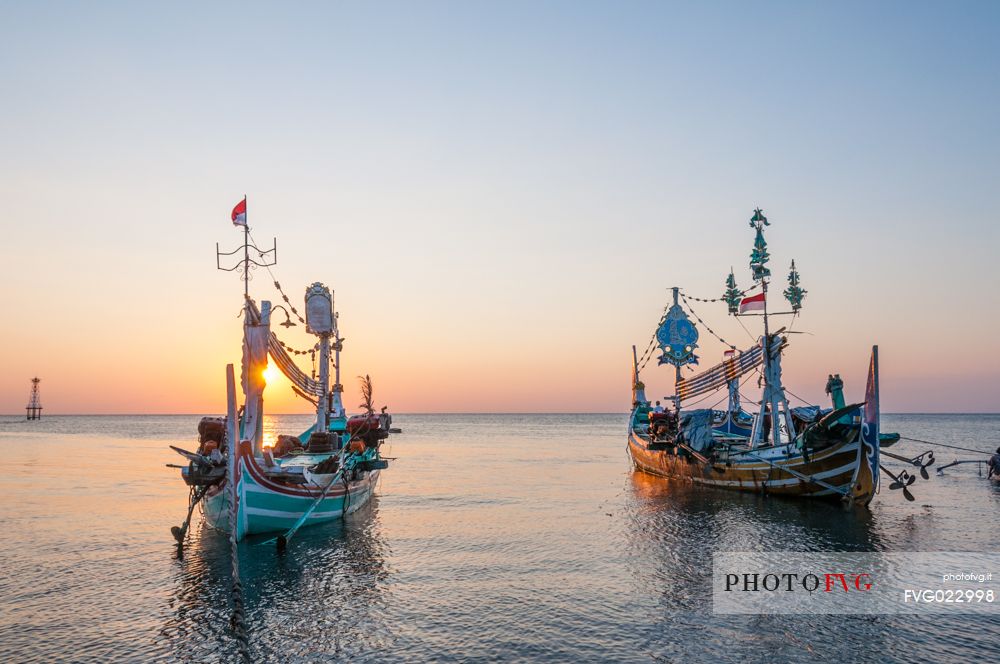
(710, 330)
(295, 311)
(289, 303)
(716, 299)
(298, 352)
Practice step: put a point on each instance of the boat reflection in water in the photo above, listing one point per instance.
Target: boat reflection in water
(707, 519)
(321, 601)
(672, 531)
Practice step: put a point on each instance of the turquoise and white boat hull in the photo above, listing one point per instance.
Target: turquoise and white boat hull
(266, 505)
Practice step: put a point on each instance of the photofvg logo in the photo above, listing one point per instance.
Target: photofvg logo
(842, 583)
(790, 582)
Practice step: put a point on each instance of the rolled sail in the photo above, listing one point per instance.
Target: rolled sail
(288, 367)
(719, 375)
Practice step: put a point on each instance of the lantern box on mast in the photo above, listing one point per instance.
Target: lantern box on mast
(319, 310)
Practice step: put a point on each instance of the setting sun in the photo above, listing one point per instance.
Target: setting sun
(271, 373)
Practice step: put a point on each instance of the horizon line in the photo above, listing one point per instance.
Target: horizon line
(538, 412)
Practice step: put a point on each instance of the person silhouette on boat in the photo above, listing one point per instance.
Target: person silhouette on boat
(662, 423)
(994, 465)
(765, 426)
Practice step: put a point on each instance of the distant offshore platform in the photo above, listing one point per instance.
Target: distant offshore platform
(34, 406)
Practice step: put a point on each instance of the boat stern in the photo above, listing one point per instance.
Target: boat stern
(867, 475)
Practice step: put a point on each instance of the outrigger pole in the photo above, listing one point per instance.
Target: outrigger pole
(957, 462)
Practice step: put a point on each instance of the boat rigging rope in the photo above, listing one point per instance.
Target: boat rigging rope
(710, 330)
(647, 354)
(719, 299)
(278, 285)
(954, 447)
(760, 376)
(749, 334)
(312, 351)
(798, 397)
(693, 403)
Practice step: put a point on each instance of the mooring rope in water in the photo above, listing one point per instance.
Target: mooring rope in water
(238, 618)
(954, 447)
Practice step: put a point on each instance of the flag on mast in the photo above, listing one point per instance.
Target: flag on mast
(240, 213)
(752, 303)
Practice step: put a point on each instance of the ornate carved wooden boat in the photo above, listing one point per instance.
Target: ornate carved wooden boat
(845, 469)
(806, 452)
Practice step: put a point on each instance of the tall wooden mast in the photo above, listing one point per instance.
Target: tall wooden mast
(320, 320)
(773, 402)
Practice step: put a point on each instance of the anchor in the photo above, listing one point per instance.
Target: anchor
(921, 461)
(901, 481)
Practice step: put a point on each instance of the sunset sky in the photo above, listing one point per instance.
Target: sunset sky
(501, 194)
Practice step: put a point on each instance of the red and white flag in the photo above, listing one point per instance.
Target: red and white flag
(752, 303)
(240, 213)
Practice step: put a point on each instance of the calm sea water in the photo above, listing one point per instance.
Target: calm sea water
(492, 537)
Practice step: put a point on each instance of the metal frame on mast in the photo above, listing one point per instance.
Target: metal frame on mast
(269, 257)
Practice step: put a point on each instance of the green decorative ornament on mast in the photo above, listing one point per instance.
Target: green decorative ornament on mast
(732, 296)
(794, 293)
(759, 256)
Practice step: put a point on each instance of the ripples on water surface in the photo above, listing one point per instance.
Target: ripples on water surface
(493, 537)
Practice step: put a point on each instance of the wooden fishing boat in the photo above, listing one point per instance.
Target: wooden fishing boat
(285, 482)
(804, 452)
